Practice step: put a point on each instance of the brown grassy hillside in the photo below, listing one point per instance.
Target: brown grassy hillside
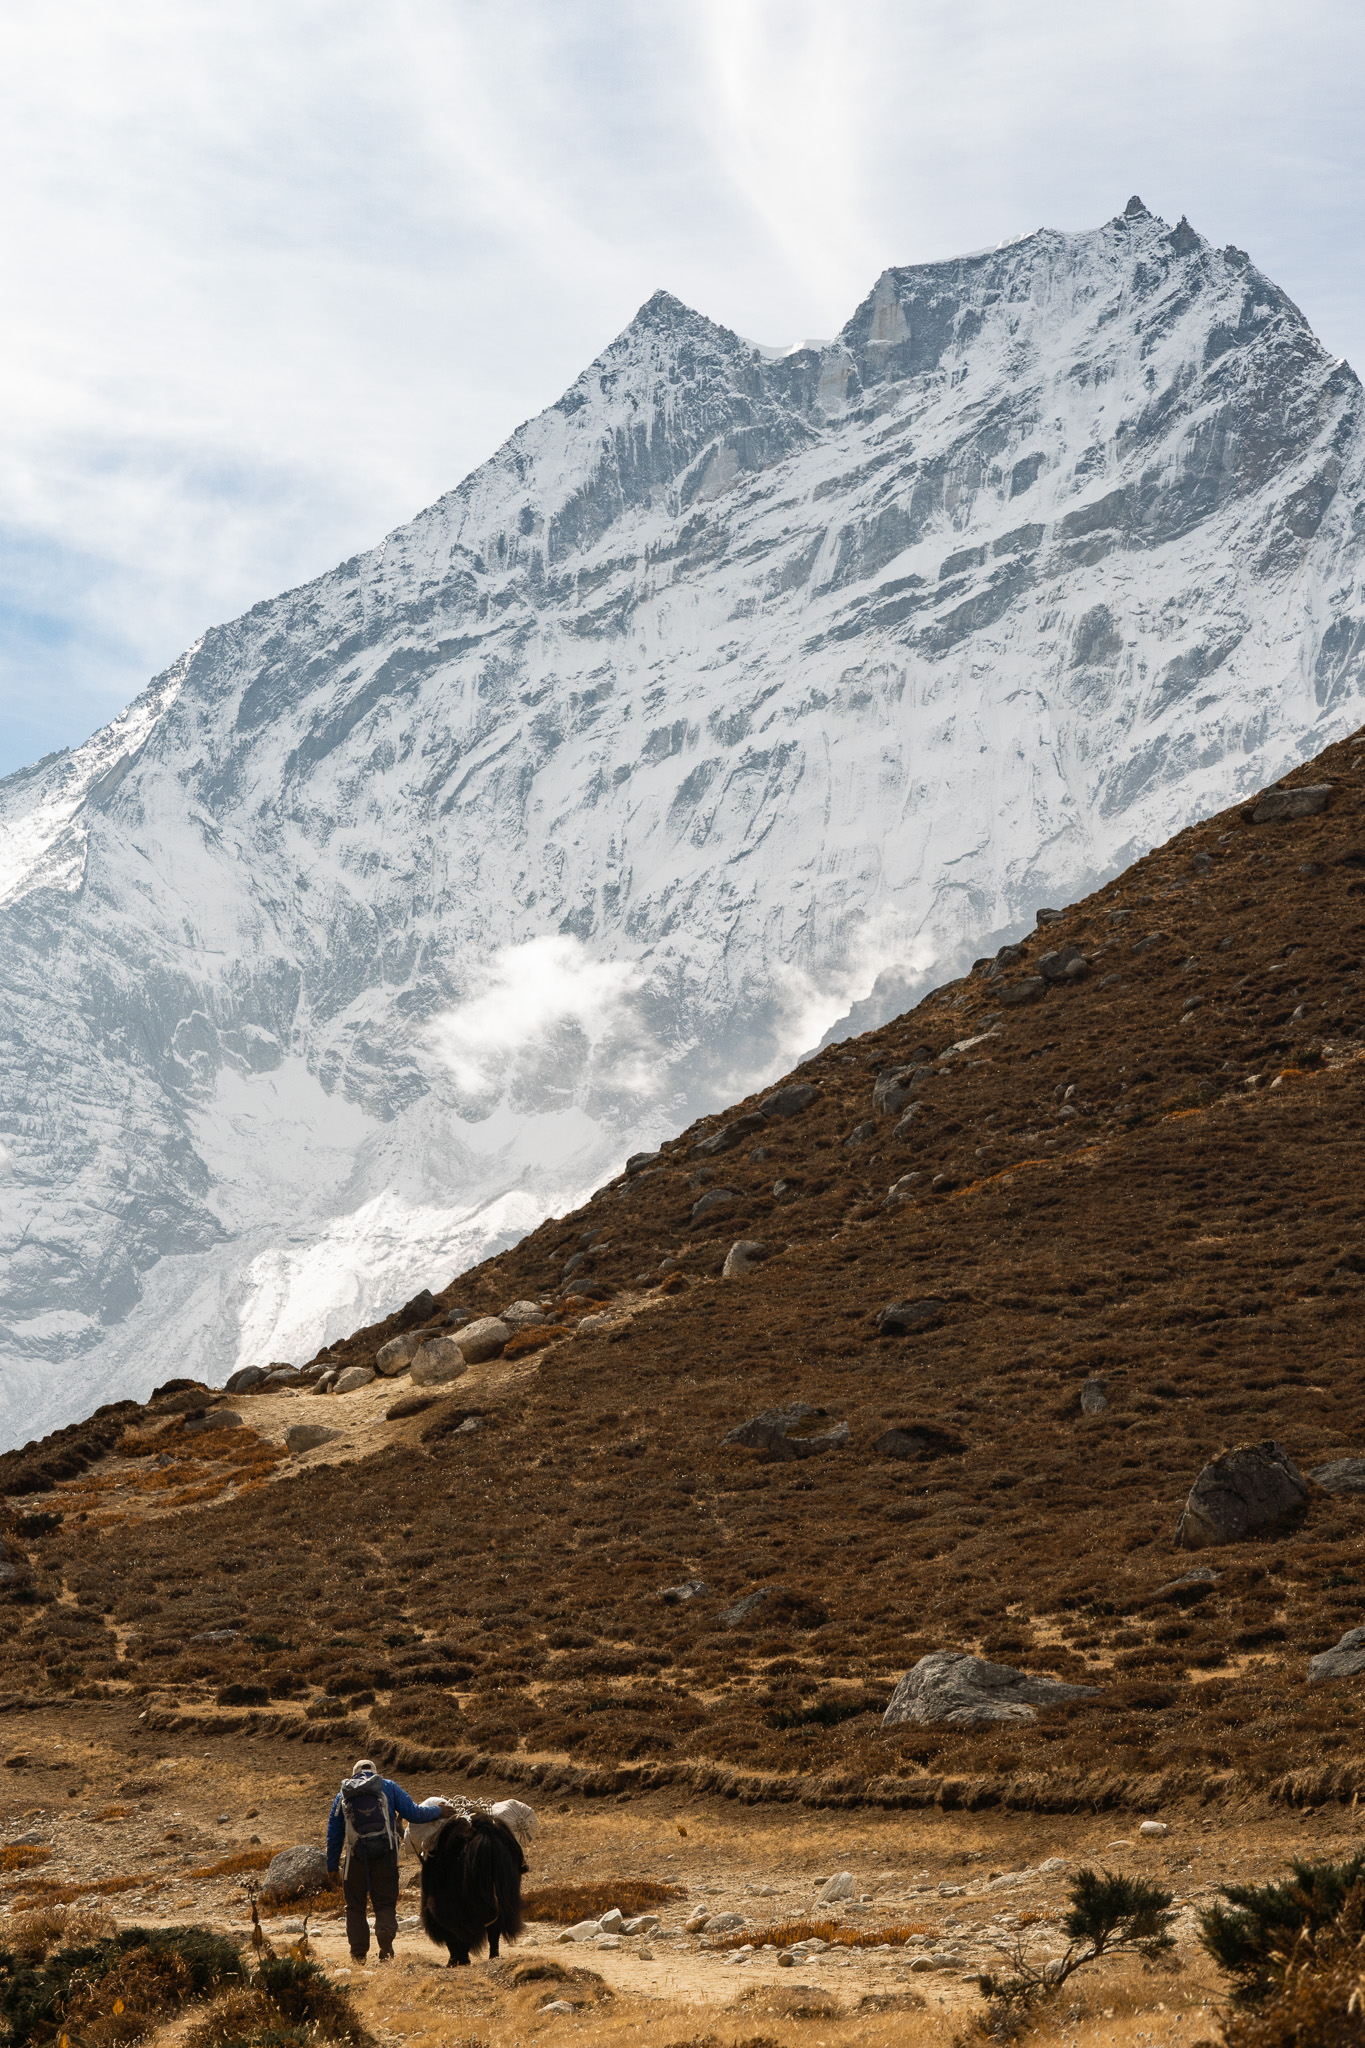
(1150, 1176)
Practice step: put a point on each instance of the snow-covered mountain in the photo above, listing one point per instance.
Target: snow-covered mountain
(402, 907)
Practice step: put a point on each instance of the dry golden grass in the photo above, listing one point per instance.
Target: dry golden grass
(23, 1855)
(49, 1892)
(563, 1904)
(231, 1866)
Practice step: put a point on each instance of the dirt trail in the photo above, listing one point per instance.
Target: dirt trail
(117, 1804)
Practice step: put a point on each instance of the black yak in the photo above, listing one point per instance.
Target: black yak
(471, 1886)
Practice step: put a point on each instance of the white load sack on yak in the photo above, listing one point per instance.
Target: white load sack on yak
(513, 1813)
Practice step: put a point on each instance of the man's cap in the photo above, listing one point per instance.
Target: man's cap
(364, 1764)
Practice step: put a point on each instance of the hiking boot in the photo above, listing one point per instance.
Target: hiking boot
(386, 1955)
(358, 1955)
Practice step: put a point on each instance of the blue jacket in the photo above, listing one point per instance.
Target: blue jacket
(399, 1802)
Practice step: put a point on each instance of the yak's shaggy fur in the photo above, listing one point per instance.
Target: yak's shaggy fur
(471, 1886)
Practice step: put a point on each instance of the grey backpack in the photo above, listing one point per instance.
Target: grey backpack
(369, 1817)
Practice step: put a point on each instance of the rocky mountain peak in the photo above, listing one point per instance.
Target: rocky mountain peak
(739, 688)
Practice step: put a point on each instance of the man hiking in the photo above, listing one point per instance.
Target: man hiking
(362, 1842)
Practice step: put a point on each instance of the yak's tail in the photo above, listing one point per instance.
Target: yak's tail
(496, 1857)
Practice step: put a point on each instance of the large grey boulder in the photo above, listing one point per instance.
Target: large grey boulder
(789, 1101)
(246, 1376)
(953, 1686)
(307, 1436)
(440, 1360)
(1278, 806)
(352, 1380)
(891, 1091)
(729, 1135)
(1068, 963)
(297, 1873)
(797, 1431)
(1345, 1659)
(519, 1314)
(1247, 1491)
(480, 1340)
(744, 1257)
(397, 1355)
(1340, 1475)
(1026, 991)
(715, 1198)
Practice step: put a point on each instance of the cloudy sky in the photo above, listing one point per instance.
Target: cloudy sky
(278, 272)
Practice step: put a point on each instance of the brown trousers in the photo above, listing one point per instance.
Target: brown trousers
(376, 1876)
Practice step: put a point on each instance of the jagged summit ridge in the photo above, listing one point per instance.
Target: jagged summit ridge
(406, 903)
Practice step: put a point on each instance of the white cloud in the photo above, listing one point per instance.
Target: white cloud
(279, 273)
(533, 990)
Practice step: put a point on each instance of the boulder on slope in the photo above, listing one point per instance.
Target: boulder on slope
(952, 1686)
(307, 1436)
(1247, 1491)
(785, 1433)
(1345, 1659)
(480, 1340)
(1278, 806)
(745, 1256)
(350, 1381)
(789, 1101)
(397, 1355)
(1340, 1475)
(440, 1360)
(297, 1873)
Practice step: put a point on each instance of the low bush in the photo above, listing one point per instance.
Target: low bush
(115, 1990)
(1262, 1928)
(291, 2004)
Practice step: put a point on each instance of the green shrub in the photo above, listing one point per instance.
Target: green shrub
(1254, 1934)
(1110, 1915)
(164, 1967)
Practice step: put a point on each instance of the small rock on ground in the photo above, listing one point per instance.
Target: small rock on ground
(904, 1318)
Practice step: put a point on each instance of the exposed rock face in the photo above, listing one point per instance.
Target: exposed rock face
(1247, 1491)
(952, 1686)
(699, 618)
